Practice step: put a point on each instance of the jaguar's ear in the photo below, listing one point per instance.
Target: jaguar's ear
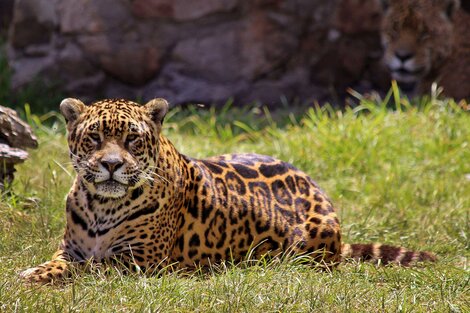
(157, 109)
(71, 109)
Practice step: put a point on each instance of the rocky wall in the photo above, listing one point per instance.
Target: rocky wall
(198, 51)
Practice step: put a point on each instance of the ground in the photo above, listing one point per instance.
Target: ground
(397, 175)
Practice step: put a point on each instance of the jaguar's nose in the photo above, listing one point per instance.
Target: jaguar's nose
(404, 55)
(112, 163)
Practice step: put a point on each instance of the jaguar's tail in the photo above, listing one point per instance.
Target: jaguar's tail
(385, 254)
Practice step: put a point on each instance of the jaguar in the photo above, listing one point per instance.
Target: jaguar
(138, 203)
(427, 41)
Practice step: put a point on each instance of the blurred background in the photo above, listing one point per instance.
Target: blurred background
(273, 52)
(265, 51)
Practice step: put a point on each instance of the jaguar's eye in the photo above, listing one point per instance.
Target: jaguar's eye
(95, 137)
(131, 137)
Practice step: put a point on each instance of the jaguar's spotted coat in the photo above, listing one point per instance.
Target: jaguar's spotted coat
(137, 200)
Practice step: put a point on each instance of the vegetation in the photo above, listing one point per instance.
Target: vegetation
(398, 172)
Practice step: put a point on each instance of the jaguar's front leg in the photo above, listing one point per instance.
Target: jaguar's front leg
(49, 272)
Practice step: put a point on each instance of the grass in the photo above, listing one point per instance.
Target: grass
(396, 171)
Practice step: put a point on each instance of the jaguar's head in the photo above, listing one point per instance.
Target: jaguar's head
(417, 36)
(114, 143)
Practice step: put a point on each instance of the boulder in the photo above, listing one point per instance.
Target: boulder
(181, 10)
(205, 51)
(15, 136)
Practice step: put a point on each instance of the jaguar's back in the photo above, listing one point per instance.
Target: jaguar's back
(244, 202)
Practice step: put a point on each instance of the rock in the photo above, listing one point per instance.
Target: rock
(215, 57)
(181, 10)
(15, 132)
(15, 135)
(71, 59)
(132, 63)
(87, 87)
(8, 158)
(243, 50)
(357, 16)
(180, 88)
(11, 156)
(268, 40)
(130, 60)
(26, 69)
(33, 22)
(352, 51)
(93, 17)
(196, 51)
(6, 14)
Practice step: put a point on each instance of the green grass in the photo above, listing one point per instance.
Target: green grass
(396, 171)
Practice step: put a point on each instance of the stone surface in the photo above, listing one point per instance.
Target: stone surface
(132, 63)
(6, 14)
(15, 135)
(15, 132)
(198, 51)
(33, 22)
(357, 16)
(216, 57)
(179, 88)
(92, 17)
(352, 51)
(181, 10)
